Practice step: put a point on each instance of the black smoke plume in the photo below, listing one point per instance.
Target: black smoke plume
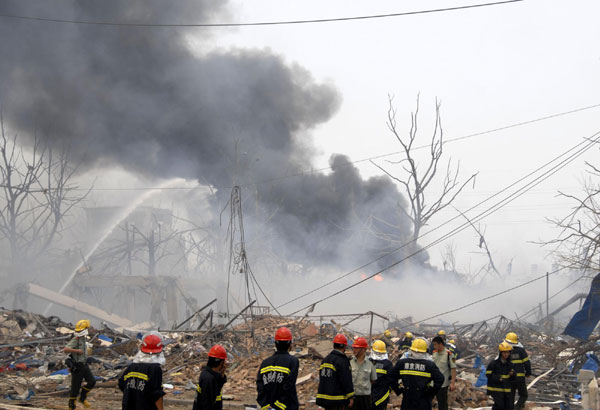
(141, 98)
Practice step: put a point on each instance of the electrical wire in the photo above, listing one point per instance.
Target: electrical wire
(529, 312)
(358, 161)
(263, 23)
(483, 299)
(588, 144)
(584, 142)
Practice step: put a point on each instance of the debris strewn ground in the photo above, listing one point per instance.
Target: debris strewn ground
(33, 373)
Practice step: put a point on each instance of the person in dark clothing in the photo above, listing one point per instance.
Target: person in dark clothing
(406, 342)
(451, 346)
(500, 372)
(276, 378)
(141, 382)
(77, 349)
(520, 360)
(421, 378)
(212, 379)
(381, 389)
(336, 390)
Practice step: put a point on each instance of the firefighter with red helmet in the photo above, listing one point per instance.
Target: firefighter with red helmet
(141, 382)
(212, 379)
(336, 390)
(276, 378)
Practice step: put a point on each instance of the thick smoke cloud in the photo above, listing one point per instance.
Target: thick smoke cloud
(138, 97)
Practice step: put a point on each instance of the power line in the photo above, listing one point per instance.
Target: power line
(263, 23)
(528, 313)
(584, 142)
(344, 164)
(536, 181)
(483, 299)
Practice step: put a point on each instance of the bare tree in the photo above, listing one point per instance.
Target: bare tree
(490, 266)
(417, 178)
(578, 244)
(37, 193)
(449, 257)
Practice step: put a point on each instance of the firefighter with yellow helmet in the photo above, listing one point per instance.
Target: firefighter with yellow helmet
(406, 342)
(383, 386)
(77, 363)
(386, 338)
(421, 378)
(520, 359)
(500, 372)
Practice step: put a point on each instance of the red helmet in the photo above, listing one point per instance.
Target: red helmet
(218, 352)
(340, 339)
(361, 342)
(283, 334)
(152, 343)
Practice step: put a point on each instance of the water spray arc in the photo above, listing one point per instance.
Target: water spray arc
(111, 227)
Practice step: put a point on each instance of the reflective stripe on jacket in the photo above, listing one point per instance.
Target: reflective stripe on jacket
(335, 381)
(276, 382)
(208, 391)
(520, 359)
(421, 379)
(498, 377)
(381, 388)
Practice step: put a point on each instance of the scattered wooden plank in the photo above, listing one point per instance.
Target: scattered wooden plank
(534, 381)
(69, 302)
(302, 379)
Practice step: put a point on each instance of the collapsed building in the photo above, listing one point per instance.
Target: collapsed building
(33, 373)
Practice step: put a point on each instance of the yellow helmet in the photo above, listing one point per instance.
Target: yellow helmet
(379, 346)
(419, 345)
(512, 338)
(505, 347)
(82, 325)
(409, 335)
(442, 333)
(451, 341)
(387, 333)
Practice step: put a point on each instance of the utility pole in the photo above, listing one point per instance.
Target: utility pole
(371, 328)
(547, 294)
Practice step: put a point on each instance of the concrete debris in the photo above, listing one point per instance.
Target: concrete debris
(32, 369)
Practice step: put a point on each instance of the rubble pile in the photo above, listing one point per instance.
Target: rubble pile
(32, 369)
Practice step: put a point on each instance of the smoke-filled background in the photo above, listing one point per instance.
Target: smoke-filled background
(152, 102)
(139, 98)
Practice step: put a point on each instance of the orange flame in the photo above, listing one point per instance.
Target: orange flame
(378, 277)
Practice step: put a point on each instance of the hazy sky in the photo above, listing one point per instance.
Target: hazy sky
(490, 67)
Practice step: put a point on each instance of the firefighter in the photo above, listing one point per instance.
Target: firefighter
(381, 389)
(451, 346)
(406, 341)
(276, 378)
(141, 382)
(387, 338)
(336, 390)
(212, 379)
(77, 363)
(500, 372)
(421, 378)
(520, 359)
(363, 374)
